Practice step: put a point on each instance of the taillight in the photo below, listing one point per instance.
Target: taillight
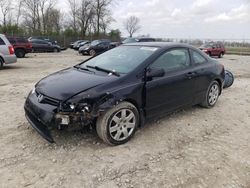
(11, 50)
(29, 45)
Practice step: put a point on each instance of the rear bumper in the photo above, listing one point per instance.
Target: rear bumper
(9, 59)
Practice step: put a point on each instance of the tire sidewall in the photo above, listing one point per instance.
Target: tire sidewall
(108, 117)
(1, 63)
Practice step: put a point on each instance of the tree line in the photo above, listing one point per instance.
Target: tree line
(84, 18)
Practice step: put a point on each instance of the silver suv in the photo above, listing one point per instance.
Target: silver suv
(7, 52)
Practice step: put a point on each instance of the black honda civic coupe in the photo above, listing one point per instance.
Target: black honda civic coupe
(119, 90)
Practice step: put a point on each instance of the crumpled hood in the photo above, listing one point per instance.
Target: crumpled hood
(64, 84)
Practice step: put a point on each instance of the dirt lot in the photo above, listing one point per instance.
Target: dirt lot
(192, 148)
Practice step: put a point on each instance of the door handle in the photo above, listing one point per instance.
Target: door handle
(190, 75)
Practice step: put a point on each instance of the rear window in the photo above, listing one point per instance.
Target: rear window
(21, 40)
(198, 58)
(2, 42)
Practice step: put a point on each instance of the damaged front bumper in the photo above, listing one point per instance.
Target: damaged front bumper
(43, 115)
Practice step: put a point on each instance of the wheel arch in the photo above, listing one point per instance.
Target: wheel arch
(220, 83)
(2, 58)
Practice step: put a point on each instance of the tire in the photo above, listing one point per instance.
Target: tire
(118, 125)
(56, 50)
(92, 52)
(20, 53)
(209, 53)
(220, 55)
(212, 95)
(1, 63)
(229, 79)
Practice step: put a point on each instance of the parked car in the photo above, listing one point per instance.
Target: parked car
(21, 45)
(214, 49)
(142, 39)
(7, 52)
(44, 46)
(120, 89)
(80, 44)
(44, 38)
(74, 44)
(96, 47)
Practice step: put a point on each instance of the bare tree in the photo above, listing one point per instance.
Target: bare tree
(19, 10)
(101, 7)
(5, 7)
(73, 13)
(30, 8)
(84, 15)
(132, 25)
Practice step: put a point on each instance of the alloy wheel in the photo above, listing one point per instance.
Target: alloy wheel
(122, 125)
(213, 94)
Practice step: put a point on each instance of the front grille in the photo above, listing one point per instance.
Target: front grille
(47, 100)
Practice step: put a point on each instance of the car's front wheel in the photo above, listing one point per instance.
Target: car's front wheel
(92, 52)
(119, 124)
(212, 95)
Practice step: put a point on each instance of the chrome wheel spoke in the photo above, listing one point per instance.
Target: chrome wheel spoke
(118, 135)
(116, 119)
(124, 113)
(114, 129)
(130, 117)
(130, 125)
(125, 132)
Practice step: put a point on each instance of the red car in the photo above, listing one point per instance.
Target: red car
(21, 45)
(214, 49)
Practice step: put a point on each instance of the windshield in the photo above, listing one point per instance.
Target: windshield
(95, 42)
(122, 59)
(129, 40)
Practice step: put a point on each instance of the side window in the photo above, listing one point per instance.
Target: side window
(2, 42)
(12, 40)
(198, 58)
(173, 60)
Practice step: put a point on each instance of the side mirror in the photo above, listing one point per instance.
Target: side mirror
(155, 72)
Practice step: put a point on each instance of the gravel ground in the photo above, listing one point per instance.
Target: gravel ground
(193, 148)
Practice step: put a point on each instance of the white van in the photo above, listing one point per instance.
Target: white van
(7, 52)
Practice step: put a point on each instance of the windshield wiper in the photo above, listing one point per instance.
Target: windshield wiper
(82, 68)
(104, 70)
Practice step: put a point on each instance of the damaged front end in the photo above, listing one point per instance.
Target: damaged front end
(45, 113)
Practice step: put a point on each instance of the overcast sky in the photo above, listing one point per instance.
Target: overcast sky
(187, 18)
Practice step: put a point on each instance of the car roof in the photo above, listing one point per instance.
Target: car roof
(158, 44)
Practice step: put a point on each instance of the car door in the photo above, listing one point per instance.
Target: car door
(202, 78)
(176, 88)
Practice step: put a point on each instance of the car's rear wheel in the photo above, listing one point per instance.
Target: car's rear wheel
(220, 55)
(1, 63)
(56, 50)
(212, 95)
(119, 124)
(92, 52)
(20, 53)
